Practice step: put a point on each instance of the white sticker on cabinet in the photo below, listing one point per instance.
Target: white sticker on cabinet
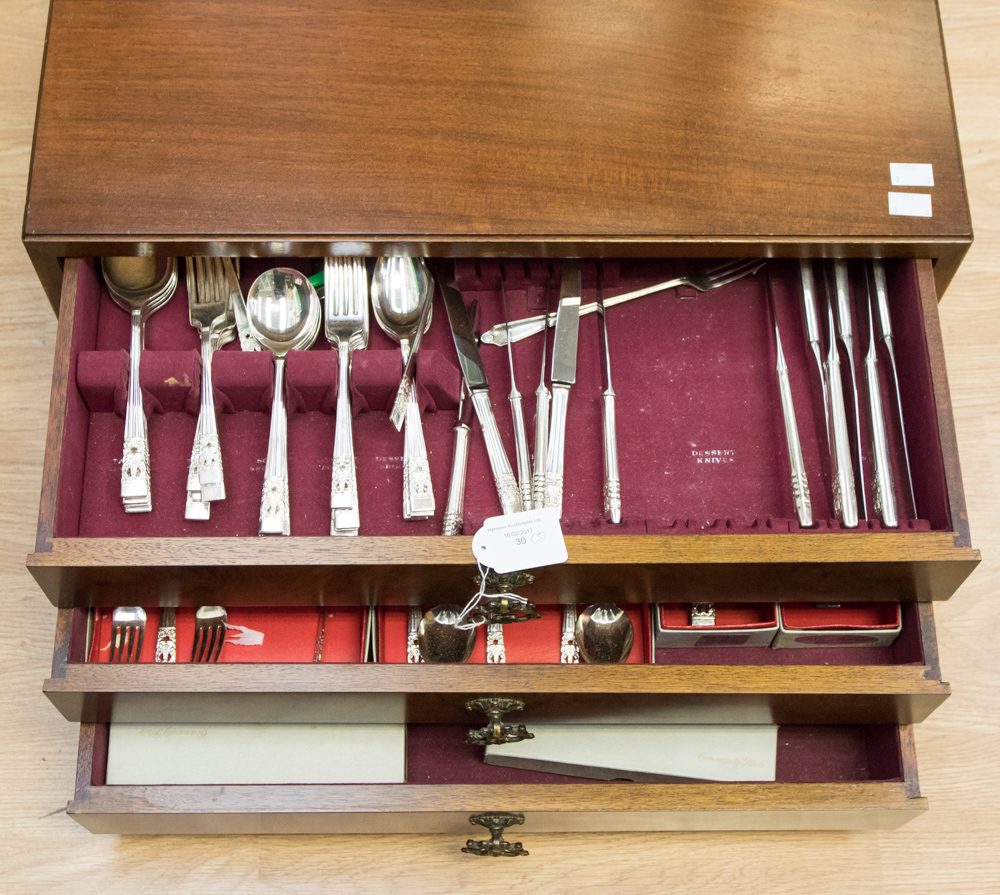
(907, 174)
(914, 205)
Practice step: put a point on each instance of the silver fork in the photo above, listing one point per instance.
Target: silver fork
(128, 624)
(702, 280)
(208, 307)
(346, 323)
(209, 633)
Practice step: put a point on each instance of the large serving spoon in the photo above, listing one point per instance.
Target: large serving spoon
(283, 311)
(140, 286)
(402, 292)
(604, 634)
(438, 638)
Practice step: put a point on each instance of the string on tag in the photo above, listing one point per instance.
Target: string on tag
(462, 624)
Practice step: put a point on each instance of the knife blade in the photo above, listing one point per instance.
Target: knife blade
(563, 376)
(467, 347)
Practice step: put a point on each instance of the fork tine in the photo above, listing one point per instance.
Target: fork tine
(736, 271)
(199, 643)
(140, 632)
(220, 632)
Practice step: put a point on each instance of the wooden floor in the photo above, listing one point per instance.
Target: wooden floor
(953, 848)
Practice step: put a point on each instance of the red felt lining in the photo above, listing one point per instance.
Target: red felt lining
(848, 617)
(700, 430)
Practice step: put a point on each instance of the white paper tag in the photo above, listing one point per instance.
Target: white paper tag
(913, 205)
(520, 541)
(906, 174)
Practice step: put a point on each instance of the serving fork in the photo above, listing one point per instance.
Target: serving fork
(346, 323)
(128, 624)
(702, 281)
(209, 633)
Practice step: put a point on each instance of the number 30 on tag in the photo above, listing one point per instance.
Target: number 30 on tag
(520, 541)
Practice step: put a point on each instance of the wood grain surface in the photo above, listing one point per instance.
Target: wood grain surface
(951, 848)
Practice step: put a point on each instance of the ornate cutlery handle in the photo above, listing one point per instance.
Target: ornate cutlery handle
(274, 499)
(456, 487)
(569, 652)
(209, 449)
(344, 488)
(885, 495)
(521, 446)
(543, 400)
(413, 656)
(496, 650)
(510, 497)
(800, 483)
(556, 447)
(845, 501)
(418, 492)
(612, 482)
(135, 455)
(166, 638)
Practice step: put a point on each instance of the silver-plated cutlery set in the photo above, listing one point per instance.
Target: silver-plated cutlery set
(847, 479)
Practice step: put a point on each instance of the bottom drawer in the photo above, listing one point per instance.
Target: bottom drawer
(828, 777)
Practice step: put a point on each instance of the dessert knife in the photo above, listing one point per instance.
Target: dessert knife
(467, 347)
(800, 484)
(882, 293)
(612, 480)
(845, 498)
(847, 337)
(563, 376)
(517, 413)
(813, 335)
(884, 494)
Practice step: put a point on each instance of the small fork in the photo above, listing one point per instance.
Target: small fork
(208, 309)
(128, 624)
(209, 633)
(702, 281)
(346, 319)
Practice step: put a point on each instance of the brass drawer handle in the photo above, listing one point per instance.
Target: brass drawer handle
(495, 732)
(496, 846)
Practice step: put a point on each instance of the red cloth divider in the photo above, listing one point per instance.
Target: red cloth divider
(848, 617)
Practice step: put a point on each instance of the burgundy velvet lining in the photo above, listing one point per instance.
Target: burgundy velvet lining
(700, 431)
(437, 753)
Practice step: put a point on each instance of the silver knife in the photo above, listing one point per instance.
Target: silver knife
(517, 414)
(882, 294)
(884, 490)
(845, 498)
(847, 337)
(563, 376)
(800, 483)
(247, 341)
(471, 363)
(543, 398)
(813, 334)
(612, 479)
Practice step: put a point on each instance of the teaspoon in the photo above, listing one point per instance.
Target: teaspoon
(283, 311)
(402, 289)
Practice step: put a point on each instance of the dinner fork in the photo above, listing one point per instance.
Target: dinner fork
(702, 281)
(208, 305)
(346, 319)
(128, 624)
(209, 633)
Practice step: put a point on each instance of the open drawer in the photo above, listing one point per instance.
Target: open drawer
(708, 511)
(840, 777)
(900, 683)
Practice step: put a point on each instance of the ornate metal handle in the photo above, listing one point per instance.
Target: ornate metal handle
(507, 609)
(496, 733)
(496, 846)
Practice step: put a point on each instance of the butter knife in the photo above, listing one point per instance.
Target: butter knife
(469, 359)
(813, 333)
(847, 337)
(845, 498)
(563, 376)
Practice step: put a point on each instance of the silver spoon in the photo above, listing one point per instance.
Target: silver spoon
(604, 634)
(401, 291)
(283, 311)
(440, 641)
(134, 286)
